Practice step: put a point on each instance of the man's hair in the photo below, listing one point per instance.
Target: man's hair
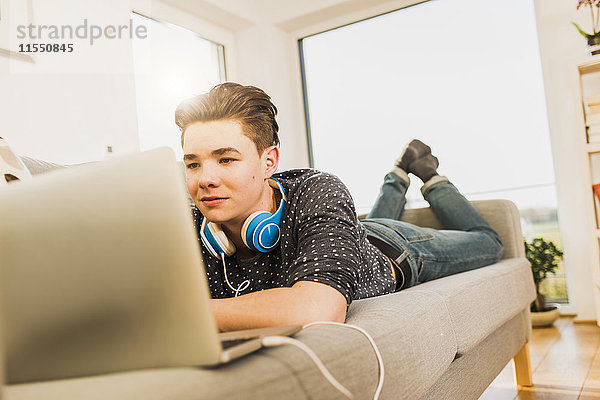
(248, 105)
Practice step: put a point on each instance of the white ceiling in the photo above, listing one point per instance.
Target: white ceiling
(287, 14)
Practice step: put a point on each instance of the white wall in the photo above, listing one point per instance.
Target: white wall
(561, 47)
(67, 108)
(268, 58)
(70, 116)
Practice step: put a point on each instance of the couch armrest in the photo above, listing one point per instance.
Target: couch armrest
(502, 215)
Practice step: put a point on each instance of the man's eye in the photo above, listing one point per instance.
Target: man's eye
(192, 165)
(226, 160)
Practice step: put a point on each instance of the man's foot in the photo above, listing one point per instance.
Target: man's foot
(417, 159)
(412, 152)
(425, 167)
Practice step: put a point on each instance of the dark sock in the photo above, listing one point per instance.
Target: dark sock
(411, 153)
(424, 167)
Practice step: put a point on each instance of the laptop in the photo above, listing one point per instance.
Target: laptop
(102, 272)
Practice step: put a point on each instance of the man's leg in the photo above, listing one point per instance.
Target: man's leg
(451, 208)
(392, 195)
(467, 241)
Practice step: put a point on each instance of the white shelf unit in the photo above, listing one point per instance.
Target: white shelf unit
(588, 84)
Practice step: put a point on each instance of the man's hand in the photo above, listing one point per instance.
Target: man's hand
(300, 304)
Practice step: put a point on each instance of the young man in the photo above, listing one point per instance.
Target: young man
(316, 256)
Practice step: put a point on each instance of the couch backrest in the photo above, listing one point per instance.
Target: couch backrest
(38, 166)
(502, 215)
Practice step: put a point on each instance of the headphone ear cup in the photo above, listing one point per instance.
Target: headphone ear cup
(249, 229)
(215, 240)
(267, 234)
(221, 238)
(261, 231)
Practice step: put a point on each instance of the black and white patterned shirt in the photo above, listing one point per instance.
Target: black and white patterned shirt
(321, 241)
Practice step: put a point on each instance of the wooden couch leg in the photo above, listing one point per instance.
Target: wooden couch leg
(523, 366)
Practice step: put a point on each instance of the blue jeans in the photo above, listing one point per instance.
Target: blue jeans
(467, 241)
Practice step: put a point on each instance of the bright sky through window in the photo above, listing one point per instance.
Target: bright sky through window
(171, 64)
(448, 72)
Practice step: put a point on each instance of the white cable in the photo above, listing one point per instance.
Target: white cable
(243, 286)
(373, 344)
(279, 340)
(270, 341)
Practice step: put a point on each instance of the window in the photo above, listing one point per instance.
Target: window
(451, 74)
(171, 64)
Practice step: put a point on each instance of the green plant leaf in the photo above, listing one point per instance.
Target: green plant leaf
(544, 258)
(583, 33)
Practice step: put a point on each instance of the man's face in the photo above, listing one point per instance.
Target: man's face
(225, 174)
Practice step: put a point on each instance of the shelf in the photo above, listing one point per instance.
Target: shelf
(592, 148)
(588, 86)
(590, 65)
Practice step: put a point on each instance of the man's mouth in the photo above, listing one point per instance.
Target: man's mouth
(211, 201)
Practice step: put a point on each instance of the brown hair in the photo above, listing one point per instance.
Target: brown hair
(249, 105)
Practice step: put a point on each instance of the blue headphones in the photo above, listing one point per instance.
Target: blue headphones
(260, 231)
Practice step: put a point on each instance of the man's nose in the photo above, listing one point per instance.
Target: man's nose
(208, 177)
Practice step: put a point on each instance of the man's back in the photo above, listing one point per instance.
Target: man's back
(321, 241)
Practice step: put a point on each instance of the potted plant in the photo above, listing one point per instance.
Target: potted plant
(544, 257)
(593, 39)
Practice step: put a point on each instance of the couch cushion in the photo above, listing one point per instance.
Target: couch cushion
(481, 365)
(412, 330)
(415, 336)
(482, 300)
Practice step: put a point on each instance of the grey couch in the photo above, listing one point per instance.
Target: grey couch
(445, 339)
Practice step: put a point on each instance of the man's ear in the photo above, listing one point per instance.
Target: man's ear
(271, 160)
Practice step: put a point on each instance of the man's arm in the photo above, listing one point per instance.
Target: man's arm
(300, 304)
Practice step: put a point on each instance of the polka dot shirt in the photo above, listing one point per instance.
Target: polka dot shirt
(321, 241)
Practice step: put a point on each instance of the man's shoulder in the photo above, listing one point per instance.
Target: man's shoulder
(297, 177)
(297, 174)
(313, 186)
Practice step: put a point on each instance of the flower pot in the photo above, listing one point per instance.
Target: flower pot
(546, 317)
(594, 45)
